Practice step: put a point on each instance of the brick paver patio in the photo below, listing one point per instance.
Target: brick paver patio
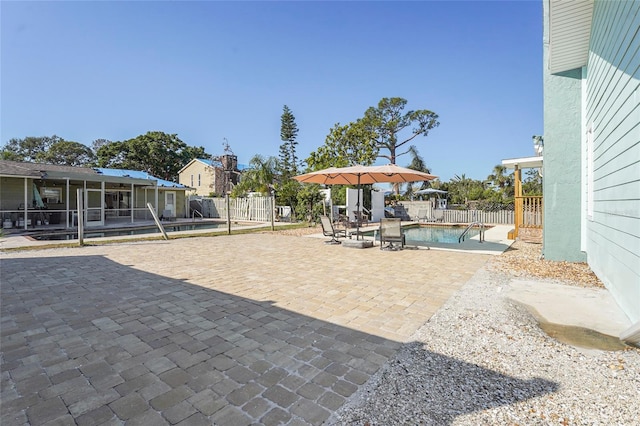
(232, 330)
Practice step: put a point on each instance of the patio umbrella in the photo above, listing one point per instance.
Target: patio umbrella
(357, 175)
(430, 191)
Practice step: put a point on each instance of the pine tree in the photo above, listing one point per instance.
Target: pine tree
(288, 132)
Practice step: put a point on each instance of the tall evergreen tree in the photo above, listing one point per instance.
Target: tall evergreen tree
(288, 157)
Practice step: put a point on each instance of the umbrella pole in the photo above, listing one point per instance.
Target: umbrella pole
(358, 210)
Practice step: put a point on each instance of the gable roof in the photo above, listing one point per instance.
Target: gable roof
(211, 163)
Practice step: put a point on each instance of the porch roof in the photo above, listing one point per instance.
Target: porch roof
(140, 175)
(53, 171)
(523, 162)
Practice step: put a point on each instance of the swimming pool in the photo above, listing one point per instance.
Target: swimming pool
(423, 235)
(73, 235)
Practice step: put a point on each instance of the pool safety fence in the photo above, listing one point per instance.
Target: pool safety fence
(499, 217)
(257, 209)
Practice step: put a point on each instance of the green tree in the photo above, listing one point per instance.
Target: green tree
(388, 125)
(462, 189)
(344, 146)
(67, 153)
(287, 166)
(113, 154)
(258, 177)
(158, 153)
(309, 204)
(417, 163)
(500, 178)
(532, 184)
(288, 158)
(28, 149)
(99, 143)
(192, 152)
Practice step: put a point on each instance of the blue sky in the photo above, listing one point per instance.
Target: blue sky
(212, 70)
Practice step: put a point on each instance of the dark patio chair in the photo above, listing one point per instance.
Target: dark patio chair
(329, 231)
(391, 232)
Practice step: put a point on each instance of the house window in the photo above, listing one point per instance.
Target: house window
(51, 195)
(191, 180)
(199, 179)
(589, 176)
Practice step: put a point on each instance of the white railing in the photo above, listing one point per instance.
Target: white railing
(246, 209)
(499, 217)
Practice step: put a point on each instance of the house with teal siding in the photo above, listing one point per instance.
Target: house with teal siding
(591, 169)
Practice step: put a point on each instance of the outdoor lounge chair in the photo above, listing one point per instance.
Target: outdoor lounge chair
(361, 218)
(329, 231)
(391, 232)
(422, 215)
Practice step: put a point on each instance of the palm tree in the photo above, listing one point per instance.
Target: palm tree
(501, 180)
(417, 163)
(459, 188)
(259, 177)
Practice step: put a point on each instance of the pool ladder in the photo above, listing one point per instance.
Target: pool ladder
(471, 225)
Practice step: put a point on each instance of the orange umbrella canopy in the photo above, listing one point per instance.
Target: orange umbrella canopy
(356, 175)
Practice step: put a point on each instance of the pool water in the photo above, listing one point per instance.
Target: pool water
(422, 235)
(73, 235)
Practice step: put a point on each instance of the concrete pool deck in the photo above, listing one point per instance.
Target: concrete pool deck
(495, 242)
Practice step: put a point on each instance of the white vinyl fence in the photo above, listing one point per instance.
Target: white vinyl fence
(500, 217)
(245, 209)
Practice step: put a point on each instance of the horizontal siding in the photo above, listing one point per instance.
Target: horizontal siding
(608, 57)
(613, 107)
(619, 191)
(618, 161)
(627, 208)
(624, 285)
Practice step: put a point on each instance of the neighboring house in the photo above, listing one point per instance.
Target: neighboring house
(47, 193)
(209, 177)
(591, 170)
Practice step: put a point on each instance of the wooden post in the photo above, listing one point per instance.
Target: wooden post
(518, 214)
(226, 196)
(272, 202)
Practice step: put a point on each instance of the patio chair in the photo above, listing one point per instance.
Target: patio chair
(361, 218)
(422, 216)
(329, 231)
(391, 232)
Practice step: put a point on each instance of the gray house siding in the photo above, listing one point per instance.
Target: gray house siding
(562, 153)
(613, 113)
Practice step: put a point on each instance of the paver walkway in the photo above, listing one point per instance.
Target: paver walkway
(231, 330)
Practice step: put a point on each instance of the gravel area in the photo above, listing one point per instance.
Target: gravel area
(483, 360)
(525, 260)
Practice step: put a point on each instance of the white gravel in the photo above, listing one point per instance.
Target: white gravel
(482, 360)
